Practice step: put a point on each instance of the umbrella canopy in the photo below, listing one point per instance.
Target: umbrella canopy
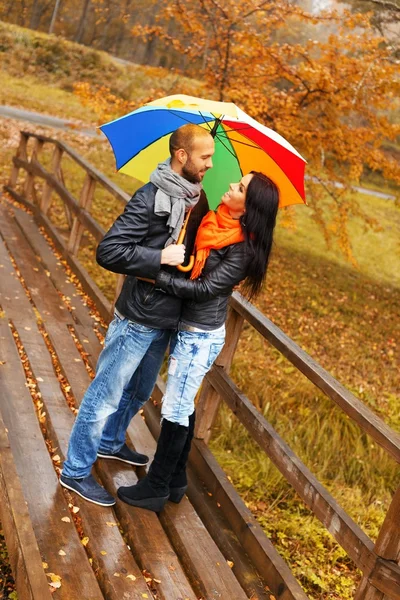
(140, 140)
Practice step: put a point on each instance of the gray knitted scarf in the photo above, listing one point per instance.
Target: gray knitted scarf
(175, 195)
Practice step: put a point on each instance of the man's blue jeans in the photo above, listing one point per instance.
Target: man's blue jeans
(126, 373)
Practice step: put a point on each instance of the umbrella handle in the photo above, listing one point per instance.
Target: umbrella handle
(187, 267)
(181, 237)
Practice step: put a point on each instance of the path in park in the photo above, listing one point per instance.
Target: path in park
(67, 125)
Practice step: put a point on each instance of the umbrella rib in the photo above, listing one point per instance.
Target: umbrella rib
(256, 146)
(226, 147)
(187, 120)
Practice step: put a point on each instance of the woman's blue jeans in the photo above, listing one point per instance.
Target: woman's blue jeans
(126, 373)
(192, 355)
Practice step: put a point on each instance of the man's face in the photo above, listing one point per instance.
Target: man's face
(199, 160)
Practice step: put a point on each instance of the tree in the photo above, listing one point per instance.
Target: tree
(329, 96)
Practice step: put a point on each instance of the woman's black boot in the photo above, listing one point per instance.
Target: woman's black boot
(178, 483)
(152, 492)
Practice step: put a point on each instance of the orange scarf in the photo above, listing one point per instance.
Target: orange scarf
(216, 231)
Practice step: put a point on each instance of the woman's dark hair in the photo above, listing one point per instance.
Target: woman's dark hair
(258, 224)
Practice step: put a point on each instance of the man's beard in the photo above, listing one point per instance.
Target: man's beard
(192, 175)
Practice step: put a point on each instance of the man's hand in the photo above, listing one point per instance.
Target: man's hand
(173, 255)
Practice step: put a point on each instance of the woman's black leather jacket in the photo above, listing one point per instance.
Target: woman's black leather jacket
(206, 298)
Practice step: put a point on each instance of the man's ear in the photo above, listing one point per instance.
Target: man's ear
(181, 156)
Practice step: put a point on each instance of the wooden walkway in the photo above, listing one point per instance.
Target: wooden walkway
(209, 546)
(95, 552)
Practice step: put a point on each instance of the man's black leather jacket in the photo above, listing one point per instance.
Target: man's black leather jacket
(133, 247)
(206, 298)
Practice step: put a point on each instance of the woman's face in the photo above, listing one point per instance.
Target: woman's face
(235, 197)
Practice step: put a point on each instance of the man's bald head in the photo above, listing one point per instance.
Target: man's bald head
(186, 136)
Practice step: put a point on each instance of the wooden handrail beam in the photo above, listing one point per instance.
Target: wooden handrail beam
(350, 404)
(84, 217)
(356, 543)
(109, 185)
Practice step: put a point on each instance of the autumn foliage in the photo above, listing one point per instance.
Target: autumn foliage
(327, 83)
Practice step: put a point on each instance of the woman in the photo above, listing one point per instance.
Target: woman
(232, 245)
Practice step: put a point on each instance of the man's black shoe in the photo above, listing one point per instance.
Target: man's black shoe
(89, 489)
(126, 455)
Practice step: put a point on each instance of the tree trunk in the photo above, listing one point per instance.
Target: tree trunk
(54, 16)
(82, 22)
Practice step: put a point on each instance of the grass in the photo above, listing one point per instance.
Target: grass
(345, 316)
(43, 97)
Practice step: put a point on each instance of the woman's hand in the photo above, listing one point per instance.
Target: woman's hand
(173, 255)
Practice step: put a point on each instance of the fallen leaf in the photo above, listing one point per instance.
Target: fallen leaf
(132, 577)
(45, 565)
(85, 541)
(144, 596)
(117, 575)
(55, 584)
(111, 524)
(39, 379)
(53, 577)
(103, 552)
(157, 580)
(62, 553)
(56, 458)
(66, 520)
(27, 328)
(2, 362)
(75, 509)
(230, 563)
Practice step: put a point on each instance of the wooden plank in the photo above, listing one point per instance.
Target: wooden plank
(23, 551)
(207, 569)
(58, 276)
(269, 564)
(106, 545)
(103, 305)
(351, 537)
(146, 537)
(352, 406)
(41, 289)
(46, 502)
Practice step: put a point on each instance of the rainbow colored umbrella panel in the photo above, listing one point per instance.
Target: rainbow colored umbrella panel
(140, 140)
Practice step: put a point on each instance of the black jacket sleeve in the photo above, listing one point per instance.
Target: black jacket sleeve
(121, 251)
(220, 281)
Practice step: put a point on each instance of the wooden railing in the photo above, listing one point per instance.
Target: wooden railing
(378, 562)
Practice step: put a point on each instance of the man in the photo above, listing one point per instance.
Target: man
(138, 243)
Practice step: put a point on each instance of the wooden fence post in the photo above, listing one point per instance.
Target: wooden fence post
(85, 201)
(21, 153)
(209, 399)
(29, 185)
(47, 190)
(387, 546)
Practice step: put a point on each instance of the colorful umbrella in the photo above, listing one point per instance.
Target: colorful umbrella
(140, 141)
